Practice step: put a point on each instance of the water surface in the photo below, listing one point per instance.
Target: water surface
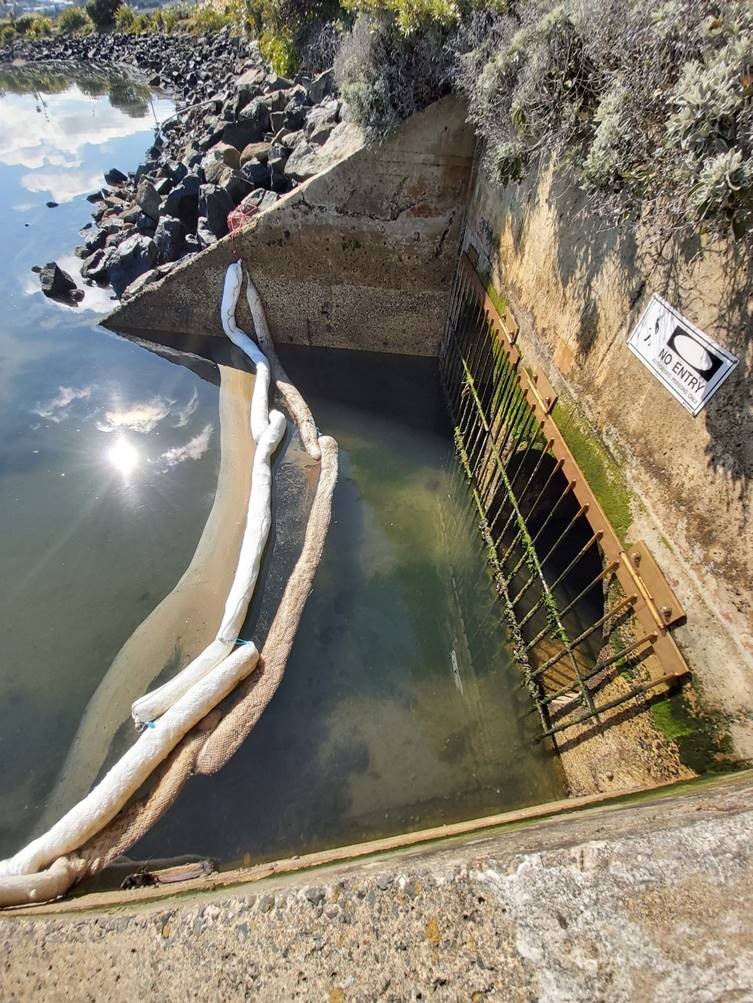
(108, 453)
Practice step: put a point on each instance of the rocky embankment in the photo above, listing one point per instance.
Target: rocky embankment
(241, 137)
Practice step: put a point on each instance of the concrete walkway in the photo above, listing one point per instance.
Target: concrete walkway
(651, 901)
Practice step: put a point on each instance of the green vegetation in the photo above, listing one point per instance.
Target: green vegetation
(74, 21)
(602, 472)
(703, 743)
(649, 104)
(102, 12)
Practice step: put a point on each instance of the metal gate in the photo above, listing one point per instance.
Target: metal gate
(581, 610)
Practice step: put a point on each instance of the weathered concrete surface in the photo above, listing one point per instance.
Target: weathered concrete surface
(360, 256)
(577, 288)
(644, 902)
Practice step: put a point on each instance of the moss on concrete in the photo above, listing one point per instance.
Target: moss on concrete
(497, 298)
(599, 468)
(702, 740)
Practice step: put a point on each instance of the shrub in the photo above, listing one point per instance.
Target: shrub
(74, 20)
(40, 27)
(102, 12)
(208, 19)
(280, 52)
(125, 15)
(167, 19)
(650, 105)
(7, 34)
(23, 23)
(385, 75)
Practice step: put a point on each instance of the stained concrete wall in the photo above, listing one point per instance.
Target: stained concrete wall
(577, 289)
(630, 903)
(360, 256)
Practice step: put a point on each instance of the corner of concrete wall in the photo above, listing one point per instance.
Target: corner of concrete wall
(360, 256)
(577, 289)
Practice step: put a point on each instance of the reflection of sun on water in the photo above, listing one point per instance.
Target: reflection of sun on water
(123, 456)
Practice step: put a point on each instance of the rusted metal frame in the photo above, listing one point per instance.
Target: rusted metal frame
(459, 294)
(597, 668)
(665, 647)
(524, 492)
(492, 445)
(494, 561)
(582, 512)
(561, 577)
(622, 605)
(530, 437)
(489, 443)
(514, 410)
(645, 609)
(449, 330)
(666, 680)
(457, 386)
(534, 560)
(453, 350)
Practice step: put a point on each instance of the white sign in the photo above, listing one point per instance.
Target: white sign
(689, 364)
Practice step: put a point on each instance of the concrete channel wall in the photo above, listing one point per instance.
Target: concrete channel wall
(577, 288)
(360, 256)
(648, 901)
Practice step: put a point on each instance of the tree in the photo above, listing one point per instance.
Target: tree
(102, 12)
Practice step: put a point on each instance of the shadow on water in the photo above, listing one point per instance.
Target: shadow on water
(400, 707)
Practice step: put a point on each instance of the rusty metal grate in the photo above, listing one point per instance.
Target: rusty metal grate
(582, 610)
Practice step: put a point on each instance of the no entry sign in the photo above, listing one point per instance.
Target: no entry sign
(685, 360)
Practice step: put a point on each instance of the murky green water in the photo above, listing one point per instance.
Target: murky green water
(399, 708)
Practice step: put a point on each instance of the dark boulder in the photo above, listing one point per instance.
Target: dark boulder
(322, 86)
(56, 283)
(278, 156)
(148, 198)
(94, 242)
(170, 238)
(235, 184)
(136, 255)
(258, 150)
(256, 173)
(95, 267)
(204, 235)
(115, 177)
(256, 113)
(321, 121)
(183, 201)
(214, 205)
(145, 224)
(192, 244)
(295, 109)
